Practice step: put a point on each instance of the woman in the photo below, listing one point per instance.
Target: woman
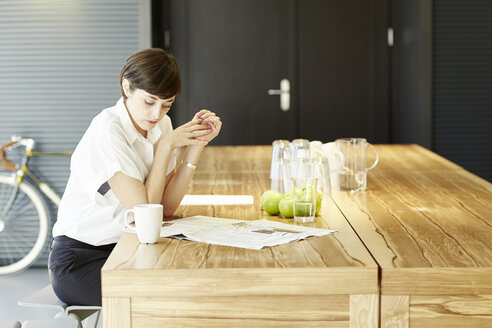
(126, 157)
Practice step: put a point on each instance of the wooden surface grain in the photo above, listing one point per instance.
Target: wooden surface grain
(302, 311)
(421, 210)
(451, 311)
(364, 311)
(242, 287)
(120, 316)
(222, 174)
(428, 224)
(424, 223)
(395, 311)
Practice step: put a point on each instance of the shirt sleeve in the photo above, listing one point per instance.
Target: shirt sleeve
(109, 152)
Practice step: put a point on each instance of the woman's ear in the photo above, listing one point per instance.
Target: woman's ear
(126, 87)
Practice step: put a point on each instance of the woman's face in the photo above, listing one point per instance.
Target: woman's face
(145, 109)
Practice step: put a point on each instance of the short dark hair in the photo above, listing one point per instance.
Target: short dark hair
(154, 71)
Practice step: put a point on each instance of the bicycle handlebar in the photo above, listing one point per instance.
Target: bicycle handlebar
(16, 141)
(20, 141)
(4, 162)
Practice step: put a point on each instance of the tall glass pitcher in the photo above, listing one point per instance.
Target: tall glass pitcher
(352, 175)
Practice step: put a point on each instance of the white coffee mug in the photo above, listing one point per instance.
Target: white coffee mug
(148, 222)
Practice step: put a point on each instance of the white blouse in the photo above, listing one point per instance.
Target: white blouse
(89, 210)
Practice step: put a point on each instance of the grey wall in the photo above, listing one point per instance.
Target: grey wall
(59, 66)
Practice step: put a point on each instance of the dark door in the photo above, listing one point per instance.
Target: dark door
(232, 53)
(343, 70)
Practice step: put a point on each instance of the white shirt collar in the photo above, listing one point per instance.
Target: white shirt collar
(130, 131)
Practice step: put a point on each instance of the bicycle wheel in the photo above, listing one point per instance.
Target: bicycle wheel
(26, 226)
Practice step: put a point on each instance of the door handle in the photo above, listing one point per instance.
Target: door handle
(284, 93)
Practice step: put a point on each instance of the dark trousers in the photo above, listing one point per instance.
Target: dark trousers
(75, 270)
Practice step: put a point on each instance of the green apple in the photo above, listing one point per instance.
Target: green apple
(286, 206)
(296, 192)
(268, 194)
(289, 193)
(302, 209)
(270, 201)
(307, 194)
(319, 198)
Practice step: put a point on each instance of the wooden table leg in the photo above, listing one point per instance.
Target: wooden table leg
(116, 312)
(394, 311)
(364, 311)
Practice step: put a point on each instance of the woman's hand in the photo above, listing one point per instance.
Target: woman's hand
(188, 134)
(209, 120)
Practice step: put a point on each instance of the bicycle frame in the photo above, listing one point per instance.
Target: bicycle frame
(19, 171)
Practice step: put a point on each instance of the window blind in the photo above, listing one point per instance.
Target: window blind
(462, 82)
(59, 66)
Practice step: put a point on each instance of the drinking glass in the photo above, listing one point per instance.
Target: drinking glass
(302, 168)
(300, 149)
(280, 154)
(335, 162)
(301, 159)
(321, 171)
(316, 149)
(286, 169)
(305, 199)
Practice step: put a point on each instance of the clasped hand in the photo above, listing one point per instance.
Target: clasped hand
(204, 127)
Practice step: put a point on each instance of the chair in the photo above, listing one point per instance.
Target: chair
(47, 299)
(9, 324)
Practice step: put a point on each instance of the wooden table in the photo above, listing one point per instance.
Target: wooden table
(428, 224)
(425, 221)
(330, 281)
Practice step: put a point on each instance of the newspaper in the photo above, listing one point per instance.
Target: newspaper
(238, 233)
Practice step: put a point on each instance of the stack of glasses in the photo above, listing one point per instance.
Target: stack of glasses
(299, 159)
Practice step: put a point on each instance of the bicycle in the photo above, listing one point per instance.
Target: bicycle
(24, 216)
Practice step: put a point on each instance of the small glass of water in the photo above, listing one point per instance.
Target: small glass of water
(304, 198)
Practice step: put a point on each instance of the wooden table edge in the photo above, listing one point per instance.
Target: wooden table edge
(436, 281)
